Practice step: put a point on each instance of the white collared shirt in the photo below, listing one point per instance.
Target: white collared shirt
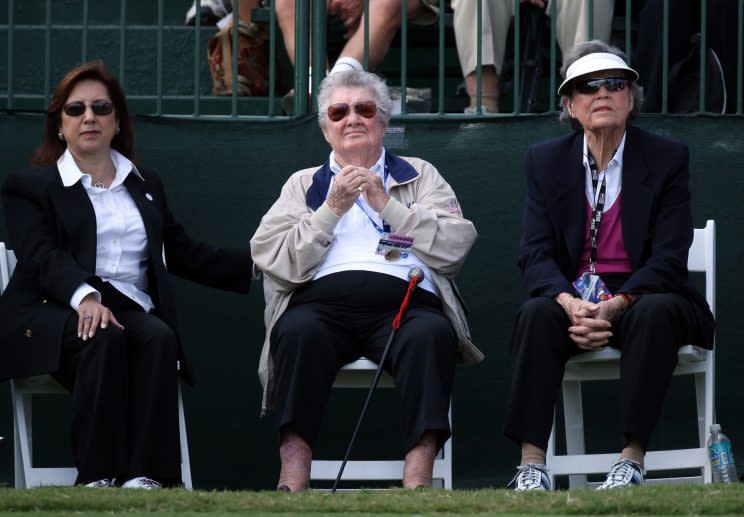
(613, 173)
(356, 239)
(121, 240)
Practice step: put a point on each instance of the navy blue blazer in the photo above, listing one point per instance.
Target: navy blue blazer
(52, 229)
(656, 217)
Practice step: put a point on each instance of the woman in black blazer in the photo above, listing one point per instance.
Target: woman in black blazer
(90, 300)
(606, 232)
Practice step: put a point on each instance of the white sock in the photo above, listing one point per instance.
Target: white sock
(346, 63)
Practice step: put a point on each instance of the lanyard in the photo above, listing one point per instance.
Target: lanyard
(385, 227)
(597, 208)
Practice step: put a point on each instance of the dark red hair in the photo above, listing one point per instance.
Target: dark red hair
(52, 147)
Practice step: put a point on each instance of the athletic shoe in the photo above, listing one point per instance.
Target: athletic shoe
(532, 476)
(101, 483)
(212, 11)
(141, 483)
(625, 472)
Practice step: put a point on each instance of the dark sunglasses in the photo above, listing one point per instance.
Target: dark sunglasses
(612, 84)
(366, 109)
(75, 109)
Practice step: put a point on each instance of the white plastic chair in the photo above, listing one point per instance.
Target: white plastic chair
(22, 391)
(604, 364)
(359, 374)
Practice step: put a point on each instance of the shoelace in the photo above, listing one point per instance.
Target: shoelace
(528, 476)
(150, 483)
(620, 471)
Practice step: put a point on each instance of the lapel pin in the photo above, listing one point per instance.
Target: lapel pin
(148, 196)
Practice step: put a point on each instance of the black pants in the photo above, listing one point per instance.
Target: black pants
(341, 317)
(649, 335)
(124, 396)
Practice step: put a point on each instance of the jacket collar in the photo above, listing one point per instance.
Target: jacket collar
(400, 171)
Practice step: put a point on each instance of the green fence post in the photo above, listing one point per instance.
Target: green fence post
(517, 58)
(403, 56)
(47, 51)
(703, 49)
(665, 59)
(10, 54)
(628, 43)
(235, 50)
(478, 60)
(740, 53)
(197, 60)
(553, 58)
(84, 44)
(320, 17)
(302, 22)
(159, 71)
(122, 40)
(440, 111)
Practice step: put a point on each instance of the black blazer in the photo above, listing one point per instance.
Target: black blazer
(52, 229)
(656, 217)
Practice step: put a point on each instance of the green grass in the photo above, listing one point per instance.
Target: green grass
(657, 500)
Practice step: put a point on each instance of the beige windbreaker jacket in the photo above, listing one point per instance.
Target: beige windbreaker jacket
(297, 231)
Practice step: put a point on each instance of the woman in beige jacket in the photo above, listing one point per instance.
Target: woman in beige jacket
(335, 250)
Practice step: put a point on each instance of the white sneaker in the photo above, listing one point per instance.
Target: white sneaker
(211, 12)
(142, 483)
(101, 483)
(532, 476)
(625, 472)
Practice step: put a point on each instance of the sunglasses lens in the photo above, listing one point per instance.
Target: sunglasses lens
(102, 107)
(338, 111)
(366, 109)
(74, 109)
(613, 84)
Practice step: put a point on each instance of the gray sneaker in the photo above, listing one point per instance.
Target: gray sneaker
(625, 472)
(101, 483)
(143, 483)
(211, 12)
(532, 476)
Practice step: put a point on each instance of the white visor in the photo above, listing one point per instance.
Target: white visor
(595, 62)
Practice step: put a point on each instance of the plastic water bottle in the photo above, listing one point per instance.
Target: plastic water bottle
(721, 456)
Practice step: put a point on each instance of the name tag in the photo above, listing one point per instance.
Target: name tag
(592, 288)
(393, 246)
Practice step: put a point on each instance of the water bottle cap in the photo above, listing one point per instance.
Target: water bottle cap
(715, 428)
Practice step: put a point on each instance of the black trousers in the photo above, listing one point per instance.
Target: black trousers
(124, 396)
(649, 335)
(341, 317)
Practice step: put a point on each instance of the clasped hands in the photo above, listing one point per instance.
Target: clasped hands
(352, 182)
(591, 323)
(93, 315)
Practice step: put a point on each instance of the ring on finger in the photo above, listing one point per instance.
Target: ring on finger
(360, 189)
(87, 317)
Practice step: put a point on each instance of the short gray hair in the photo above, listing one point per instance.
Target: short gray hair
(355, 79)
(590, 47)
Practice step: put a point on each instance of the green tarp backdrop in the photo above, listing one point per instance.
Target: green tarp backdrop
(221, 177)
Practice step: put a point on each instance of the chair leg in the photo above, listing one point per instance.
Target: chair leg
(22, 425)
(550, 454)
(185, 461)
(705, 413)
(574, 420)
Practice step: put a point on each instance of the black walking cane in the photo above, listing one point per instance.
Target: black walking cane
(414, 276)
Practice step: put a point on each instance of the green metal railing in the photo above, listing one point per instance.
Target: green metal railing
(311, 24)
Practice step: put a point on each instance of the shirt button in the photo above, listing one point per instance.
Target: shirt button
(44, 300)
(28, 333)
